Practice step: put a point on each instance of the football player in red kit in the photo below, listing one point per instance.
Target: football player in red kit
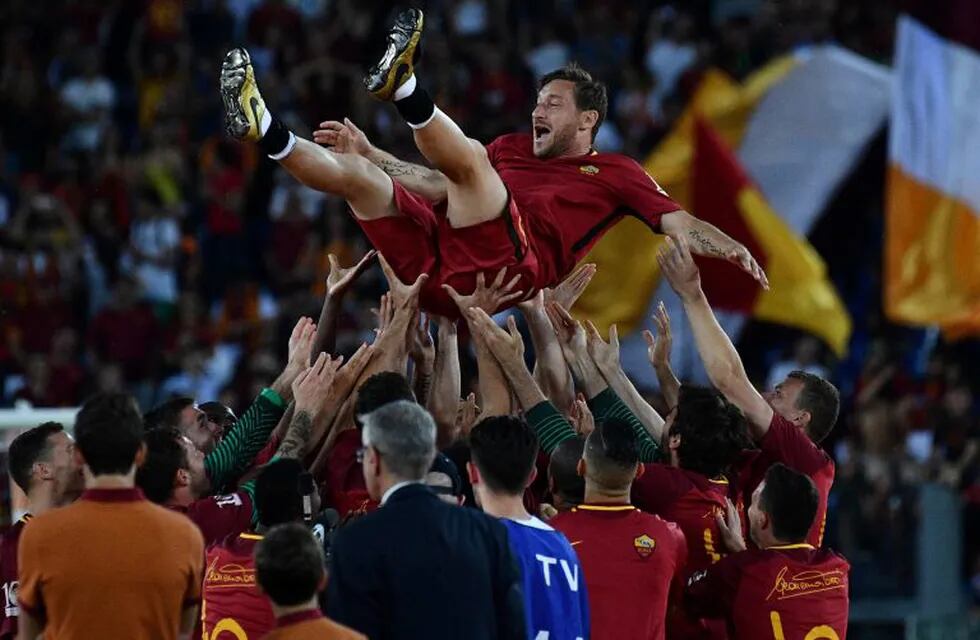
(534, 203)
(42, 463)
(785, 588)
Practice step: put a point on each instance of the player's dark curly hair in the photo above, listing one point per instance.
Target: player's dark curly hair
(713, 431)
(381, 389)
(590, 95)
(165, 456)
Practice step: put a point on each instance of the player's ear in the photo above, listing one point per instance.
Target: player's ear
(531, 478)
(140, 456)
(472, 473)
(640, 470)
(321, 585)
(674, 442)
(580, 467)
(42, 469)
(587, 119)
(183, 478)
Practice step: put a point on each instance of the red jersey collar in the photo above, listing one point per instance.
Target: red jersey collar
(604, 507)
(130, 494)
(299, 616)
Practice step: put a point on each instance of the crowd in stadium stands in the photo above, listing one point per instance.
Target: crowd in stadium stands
(143, 252)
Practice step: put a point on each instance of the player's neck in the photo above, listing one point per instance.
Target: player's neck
(578, 150)
(110, 480)
(309, 605)
(41, 500)
(503, 506)
(182, 497)
(595, 494)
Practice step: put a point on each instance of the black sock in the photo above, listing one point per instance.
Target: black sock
(417, 108)
(276, 138)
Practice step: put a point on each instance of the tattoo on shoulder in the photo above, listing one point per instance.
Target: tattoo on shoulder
(706, 243)
(297, 436)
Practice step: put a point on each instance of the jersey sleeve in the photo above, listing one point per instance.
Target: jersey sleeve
(643, 196)
(711, 593)
(609, 405)
(549, 425)
(236, 451)
(787, 443)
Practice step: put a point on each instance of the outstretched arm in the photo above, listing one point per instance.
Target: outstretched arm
(705, 239)
(658, 352)
(345, 137)
(494, 392)
(606, 357)
(339, 281)
(721, 360)
(446, 384)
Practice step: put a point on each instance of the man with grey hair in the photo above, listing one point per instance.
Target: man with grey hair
(418, 567)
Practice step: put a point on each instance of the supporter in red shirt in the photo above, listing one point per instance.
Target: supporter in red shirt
(785, 588)
(125, 331)
(42, 463)
(632, 560)
(787, 423)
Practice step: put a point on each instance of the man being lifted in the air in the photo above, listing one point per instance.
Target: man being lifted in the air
(534, 203)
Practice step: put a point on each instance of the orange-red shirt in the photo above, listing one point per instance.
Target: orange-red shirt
(111, 565)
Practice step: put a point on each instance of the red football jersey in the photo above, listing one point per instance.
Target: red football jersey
(788, 593)
(632, 563)
(220, 516)
(232, 606)
(789, 444)
(690, 500)
(343, 482)
(568, 203)
(8, 578)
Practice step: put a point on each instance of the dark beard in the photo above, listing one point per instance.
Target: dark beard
(562, 143)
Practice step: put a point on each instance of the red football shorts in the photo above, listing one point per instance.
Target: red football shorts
(421, 240)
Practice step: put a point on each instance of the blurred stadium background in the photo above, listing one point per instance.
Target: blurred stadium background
(141, 250)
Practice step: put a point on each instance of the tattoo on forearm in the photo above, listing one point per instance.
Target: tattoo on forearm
(297, 436)
(423, 386)
(707, 245)
(397, 168)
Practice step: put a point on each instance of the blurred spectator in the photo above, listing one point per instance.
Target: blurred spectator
(89, 99)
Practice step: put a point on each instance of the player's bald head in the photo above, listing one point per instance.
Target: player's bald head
(611, 456)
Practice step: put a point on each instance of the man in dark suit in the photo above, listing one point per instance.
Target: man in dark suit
(418, 567)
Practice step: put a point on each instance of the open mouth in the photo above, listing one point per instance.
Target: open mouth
(540, 131)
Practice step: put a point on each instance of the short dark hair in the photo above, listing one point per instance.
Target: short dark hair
(289, 564)
(504, 449)
(109, 433)
(278, 497)
(713, 431)
(790, 499)
(563, 468)
(30, 447)
(165, 455)
(381, 389)
(611, 453)
(166, 414)
(590, 95)
(821, 400)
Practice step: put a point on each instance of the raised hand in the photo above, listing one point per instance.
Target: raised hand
(679, 268)
(300, 344)
(507, 346)
(312, 386)
(401, 294)
(422, 348)
(581, 417)
(568, 290)
(341, 278)
(489, 298)
(571, 335)
(343, 137)
(741, 256)
(659, 346)
(730, 527)
(605, 355)
(466, 415)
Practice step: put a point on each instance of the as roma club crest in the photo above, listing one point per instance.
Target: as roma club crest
(589, 169)
(644, 545)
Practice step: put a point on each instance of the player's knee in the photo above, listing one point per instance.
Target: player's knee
(472, 166)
